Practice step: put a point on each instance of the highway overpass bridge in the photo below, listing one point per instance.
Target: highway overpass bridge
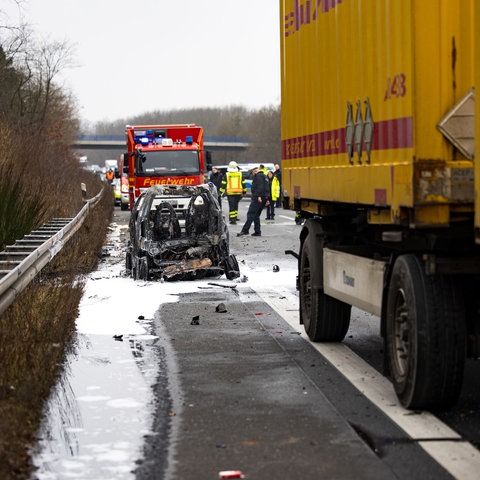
(117, 142)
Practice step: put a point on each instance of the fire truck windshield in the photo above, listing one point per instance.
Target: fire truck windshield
(167, 162)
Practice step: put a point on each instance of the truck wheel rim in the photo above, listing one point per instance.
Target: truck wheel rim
(401, 333)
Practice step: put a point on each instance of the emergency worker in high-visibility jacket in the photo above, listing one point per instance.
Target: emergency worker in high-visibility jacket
(234, 187)
(273, 195)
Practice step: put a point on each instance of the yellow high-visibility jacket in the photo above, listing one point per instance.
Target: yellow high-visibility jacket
(275, 189)
(233, 184)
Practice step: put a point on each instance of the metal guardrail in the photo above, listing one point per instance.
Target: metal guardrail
(21, 262)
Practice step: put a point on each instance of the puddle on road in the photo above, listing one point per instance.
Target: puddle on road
(100, 411)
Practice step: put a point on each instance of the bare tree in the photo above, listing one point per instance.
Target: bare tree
(48, 60)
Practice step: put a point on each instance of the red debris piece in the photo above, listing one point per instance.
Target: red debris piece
(231, 474)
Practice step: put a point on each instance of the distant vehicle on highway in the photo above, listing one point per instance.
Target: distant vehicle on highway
(124, 195)
(117, 196)
(96, 169)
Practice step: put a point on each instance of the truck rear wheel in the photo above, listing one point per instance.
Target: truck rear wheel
(325, 318)
(425, 336)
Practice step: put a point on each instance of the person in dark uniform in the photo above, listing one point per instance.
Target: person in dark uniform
(257, 203)
(216, 177)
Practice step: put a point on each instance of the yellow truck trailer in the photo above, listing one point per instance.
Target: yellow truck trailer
(378, 156)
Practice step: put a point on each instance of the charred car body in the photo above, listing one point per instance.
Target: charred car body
(178, 243)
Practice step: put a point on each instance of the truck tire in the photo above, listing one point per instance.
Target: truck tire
(325, 318)
(425, 336)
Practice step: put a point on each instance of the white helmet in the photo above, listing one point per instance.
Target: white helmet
(233, 166)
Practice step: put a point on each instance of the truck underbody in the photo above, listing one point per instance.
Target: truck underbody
(422, 283)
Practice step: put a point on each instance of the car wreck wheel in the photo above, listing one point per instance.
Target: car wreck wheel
(128, 262)
(143, 272)
(231, 267)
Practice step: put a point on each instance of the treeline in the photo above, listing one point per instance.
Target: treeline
(39, 174)
(261, 127)
(39, 179)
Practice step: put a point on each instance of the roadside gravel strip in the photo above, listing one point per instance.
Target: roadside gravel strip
(240, 401)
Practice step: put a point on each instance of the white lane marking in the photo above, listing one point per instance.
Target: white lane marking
(460, 458)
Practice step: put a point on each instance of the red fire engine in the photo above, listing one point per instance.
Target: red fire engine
(164, 155)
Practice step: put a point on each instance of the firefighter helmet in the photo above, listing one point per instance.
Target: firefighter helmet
(233, 166)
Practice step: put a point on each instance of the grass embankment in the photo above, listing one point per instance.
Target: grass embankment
(37, 331)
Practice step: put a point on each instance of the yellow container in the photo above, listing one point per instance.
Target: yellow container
(370, 92)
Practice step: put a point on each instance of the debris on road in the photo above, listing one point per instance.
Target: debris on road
(222, 285)
(231, 474)
(221, 308)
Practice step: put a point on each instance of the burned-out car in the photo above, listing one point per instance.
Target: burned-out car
(179, 232)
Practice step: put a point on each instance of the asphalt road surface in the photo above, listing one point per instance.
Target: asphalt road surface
(244, 392)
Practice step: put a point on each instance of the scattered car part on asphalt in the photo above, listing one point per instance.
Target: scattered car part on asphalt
(221, 308)
(222, 285)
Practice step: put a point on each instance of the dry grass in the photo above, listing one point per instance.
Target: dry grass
(40, 179)
(35, 334)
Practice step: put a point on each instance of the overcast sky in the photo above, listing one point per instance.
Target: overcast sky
(135, 56)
